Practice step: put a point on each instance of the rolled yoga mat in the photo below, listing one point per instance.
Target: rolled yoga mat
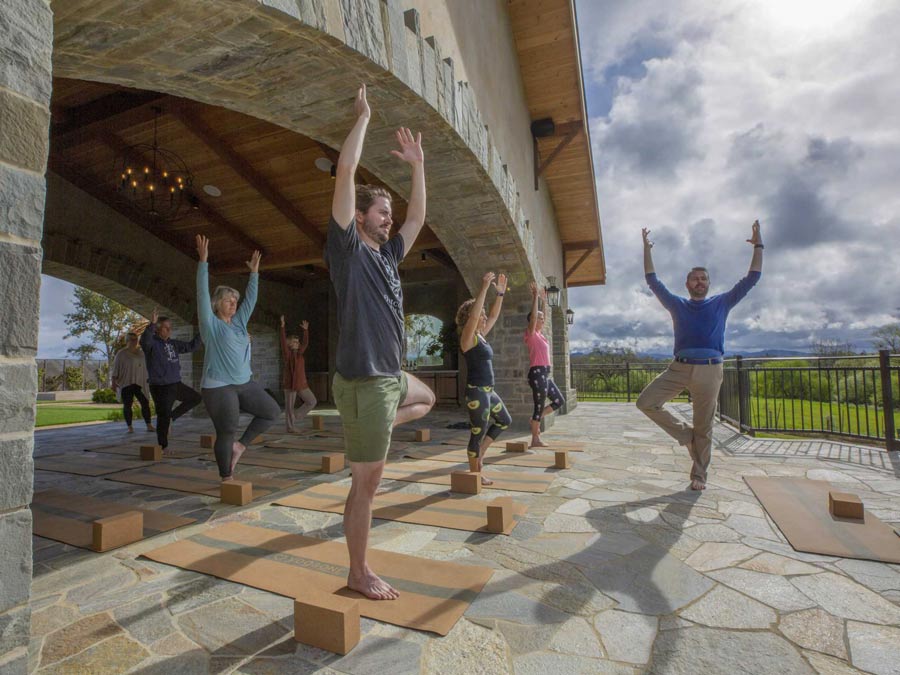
(424, 471)
(86, 463)
(200, 481)
(68, 517)
(455, 513)
(433, 594)
(800, 509)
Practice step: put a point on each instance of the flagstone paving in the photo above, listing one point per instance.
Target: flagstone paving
(615, 569)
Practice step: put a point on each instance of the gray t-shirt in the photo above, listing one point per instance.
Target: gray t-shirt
(369, 303)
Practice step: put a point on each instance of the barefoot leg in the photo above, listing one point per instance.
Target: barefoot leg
(237, 449)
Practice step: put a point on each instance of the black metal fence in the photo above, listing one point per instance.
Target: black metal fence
(71, 374)
(614, 381)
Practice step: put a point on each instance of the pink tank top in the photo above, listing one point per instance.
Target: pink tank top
(538, 349)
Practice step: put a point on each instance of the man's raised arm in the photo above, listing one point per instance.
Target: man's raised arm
(756, 240)
(648, 256)
(343, 204)
(411, 152)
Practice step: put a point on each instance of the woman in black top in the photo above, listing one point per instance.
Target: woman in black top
(487, 414)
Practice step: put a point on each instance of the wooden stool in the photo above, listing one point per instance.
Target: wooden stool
(237, 492)
(332, 462)
(207, 441)
(118, 530)
(499, 514)
(845, 505)
(318, 423)
(151, 453)
(466, 482)
(562, 459)
(326, 621)
(423, 435)
(516, 446)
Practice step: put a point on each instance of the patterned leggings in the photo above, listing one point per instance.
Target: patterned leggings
(542, 386)
(485, 407)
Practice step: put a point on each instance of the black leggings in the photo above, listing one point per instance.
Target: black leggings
(164, 397)
(129, 393)
(485, 407)
(542, 386)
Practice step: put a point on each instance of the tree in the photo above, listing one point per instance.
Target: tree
(829, 350)
(888, 337)
(420, 333)
(102, 320)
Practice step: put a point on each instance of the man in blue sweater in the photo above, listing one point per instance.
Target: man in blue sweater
(699, 324)
(164, 373)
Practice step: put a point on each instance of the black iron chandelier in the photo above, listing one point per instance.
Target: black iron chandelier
(154, 180)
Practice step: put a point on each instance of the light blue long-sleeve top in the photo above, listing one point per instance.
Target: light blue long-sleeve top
(227, 358)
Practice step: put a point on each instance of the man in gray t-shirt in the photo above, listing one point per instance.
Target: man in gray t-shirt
(371, 393)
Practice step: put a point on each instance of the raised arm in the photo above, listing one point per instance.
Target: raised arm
(532, 323)
(648, 256)
(204, 307)
(756, 239)
(498, 303)
(147, 336)
(471, 327)
(411, 153)
(343, 204)
(249, 302)
(304, 340)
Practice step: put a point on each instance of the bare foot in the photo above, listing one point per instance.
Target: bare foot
(372, 586)
(486, 481)
(236, 451)
(130, 430)
(537, 443)
(698, 485)
(150, 427)
(228, 479)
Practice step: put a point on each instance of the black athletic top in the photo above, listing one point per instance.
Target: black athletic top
(479, 362)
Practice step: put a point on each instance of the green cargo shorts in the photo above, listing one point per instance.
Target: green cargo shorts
(368, 406)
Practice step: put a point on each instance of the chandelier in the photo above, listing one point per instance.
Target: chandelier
(154, 180)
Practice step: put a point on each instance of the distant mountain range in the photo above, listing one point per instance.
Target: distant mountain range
(757, 354)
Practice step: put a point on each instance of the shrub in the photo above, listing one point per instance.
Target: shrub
(104, 396)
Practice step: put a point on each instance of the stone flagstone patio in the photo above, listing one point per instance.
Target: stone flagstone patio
(616, 569)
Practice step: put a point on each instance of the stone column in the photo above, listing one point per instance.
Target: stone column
(26, 39)
(511, 356)
(561, 361)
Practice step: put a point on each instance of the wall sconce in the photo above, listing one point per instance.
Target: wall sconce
(570, 316)
(552, 292)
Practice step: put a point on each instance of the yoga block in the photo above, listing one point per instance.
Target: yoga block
(499, 514)
(423, 435)
(516, 446)
(237, 492)
(332, 462)
(845, 505)
(562, 459)
(118, 530)
(318, 423)
(151, 453)
(326, 621)
(207, 441)
(467, 482)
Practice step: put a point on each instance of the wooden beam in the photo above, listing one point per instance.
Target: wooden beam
(369, 177)
(242, 167)
(572, 130)
(580, 245)
(107, 114)
(295, 257)
(584, 256)
(440, 256)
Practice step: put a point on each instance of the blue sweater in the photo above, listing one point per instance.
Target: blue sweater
(227, 358)
(700, 324)
(163, 364)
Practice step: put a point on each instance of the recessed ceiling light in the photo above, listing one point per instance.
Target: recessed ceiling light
(212, 190)
(324, 164)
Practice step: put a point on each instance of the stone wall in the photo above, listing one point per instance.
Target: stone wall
(25, 45)
(561, 356)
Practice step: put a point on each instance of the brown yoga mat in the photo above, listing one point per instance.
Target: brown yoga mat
(279, 458)
(182, 451)
(433, 594)
(542, 460)
(571, 446)
(800, 509)
(456, 513)
(86, 463)
(201, 481)
(423, 471)
(68, 517)
(322, 444)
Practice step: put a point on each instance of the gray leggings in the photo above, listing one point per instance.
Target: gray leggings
(225, 404)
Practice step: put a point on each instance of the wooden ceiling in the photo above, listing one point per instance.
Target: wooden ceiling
(273, 197)
(547, 43)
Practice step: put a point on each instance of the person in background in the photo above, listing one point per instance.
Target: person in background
(293, 377)
(129, 377)
(539, 379)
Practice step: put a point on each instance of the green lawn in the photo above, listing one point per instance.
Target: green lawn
(71, 414)
(794, 414)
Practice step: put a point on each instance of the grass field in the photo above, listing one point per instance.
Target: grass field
(60, 413)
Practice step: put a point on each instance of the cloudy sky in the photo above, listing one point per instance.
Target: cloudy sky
(705, 116)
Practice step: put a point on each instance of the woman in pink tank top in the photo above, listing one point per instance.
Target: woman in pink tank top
(542, 385)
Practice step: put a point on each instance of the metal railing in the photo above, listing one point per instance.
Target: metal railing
(613, 382)
(71, 374)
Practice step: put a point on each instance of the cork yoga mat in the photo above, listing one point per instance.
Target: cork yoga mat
(571, 446)
(279, 458)
(542, 460)
(455, 513)
(433, 594)
(322, 444)
(424, 471)
(68, 517)
(86, 463)
(800, 509)
(199, 481)
(180, 452)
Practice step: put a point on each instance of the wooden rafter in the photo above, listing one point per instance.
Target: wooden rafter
(242, 167)
(580, 245)
(567, 131)
(109, 114)
(584, 256)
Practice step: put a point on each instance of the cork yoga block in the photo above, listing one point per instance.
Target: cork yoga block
(332, 462)
(237, 492)
(516, 446)
(466, 482)
(318, 423)
(326, 621)
(423, 435)
(562, 459)
(151, 453)
(207, 441)
(114, 531)
(499, 514)
(845, 505)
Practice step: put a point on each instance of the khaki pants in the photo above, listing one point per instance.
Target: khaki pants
(290, 398)
(703, 383)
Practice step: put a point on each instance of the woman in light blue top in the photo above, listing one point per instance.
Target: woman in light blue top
(227, 387)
